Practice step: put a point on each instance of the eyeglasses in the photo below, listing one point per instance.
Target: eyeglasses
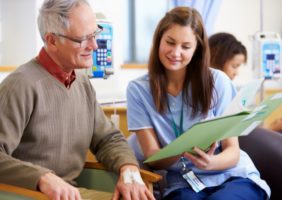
(85, 40)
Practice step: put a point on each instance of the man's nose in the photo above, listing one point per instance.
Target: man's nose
(92, 43)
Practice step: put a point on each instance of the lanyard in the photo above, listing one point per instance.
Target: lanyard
(177, 131)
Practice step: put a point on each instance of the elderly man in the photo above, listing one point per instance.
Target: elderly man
(50, 117)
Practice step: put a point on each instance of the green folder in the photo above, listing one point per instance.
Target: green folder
(203, 134)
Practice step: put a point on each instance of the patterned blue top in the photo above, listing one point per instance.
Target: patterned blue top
(142, 114)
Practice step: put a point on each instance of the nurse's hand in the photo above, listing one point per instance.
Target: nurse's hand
(201, 159)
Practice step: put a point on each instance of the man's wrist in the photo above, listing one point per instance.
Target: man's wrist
(130, 176)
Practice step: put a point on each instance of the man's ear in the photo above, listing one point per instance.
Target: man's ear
(50, 41)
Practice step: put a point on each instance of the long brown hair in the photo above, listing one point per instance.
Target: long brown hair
(198, 76)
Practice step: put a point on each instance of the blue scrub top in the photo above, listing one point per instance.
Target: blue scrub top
(142, 114)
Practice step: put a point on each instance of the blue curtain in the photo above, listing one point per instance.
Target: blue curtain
(207, 8)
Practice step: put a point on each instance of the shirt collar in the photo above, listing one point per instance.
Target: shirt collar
(46, 61)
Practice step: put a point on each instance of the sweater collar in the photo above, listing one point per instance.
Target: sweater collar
(55, 70)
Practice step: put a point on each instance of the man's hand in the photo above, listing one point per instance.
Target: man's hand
(56, 188)
(131, 186)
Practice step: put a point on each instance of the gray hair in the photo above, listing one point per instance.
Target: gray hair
(54, 15)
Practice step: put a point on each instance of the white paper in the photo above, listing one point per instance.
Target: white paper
(250, 128)
(244, 98)
(277, 96)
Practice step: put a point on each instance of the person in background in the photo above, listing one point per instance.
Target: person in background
(50, 116)
(180, 90)
(227, 53)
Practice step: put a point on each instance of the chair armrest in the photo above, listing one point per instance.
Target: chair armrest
(16, 193)
(148, 177)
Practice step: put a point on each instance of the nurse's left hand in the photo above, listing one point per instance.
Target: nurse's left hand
(201, 159)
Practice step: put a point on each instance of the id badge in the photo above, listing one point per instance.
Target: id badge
(195, 183)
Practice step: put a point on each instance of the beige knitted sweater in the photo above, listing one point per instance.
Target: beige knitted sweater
(46, 127)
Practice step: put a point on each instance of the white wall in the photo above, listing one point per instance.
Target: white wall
(18, 32)
(20, 38)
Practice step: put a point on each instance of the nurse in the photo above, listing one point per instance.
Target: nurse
(180, 90)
